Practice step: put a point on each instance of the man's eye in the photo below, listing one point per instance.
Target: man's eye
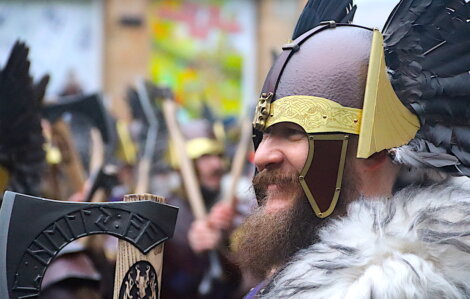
(294, 134)
(285, 132)
(295, 131)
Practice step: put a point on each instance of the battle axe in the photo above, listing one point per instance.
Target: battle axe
(90, 106)
(33, 230)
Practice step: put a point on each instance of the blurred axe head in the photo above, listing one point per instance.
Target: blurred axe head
(105, 178)
(89, 106)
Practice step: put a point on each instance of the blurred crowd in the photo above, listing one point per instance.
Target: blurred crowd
(77, 151)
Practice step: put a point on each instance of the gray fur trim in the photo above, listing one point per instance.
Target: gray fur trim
(414, 245)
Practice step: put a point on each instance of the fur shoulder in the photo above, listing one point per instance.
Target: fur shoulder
(414, 245)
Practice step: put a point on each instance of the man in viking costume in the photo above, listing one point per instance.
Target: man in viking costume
(357, 135)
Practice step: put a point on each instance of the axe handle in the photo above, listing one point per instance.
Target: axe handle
(97, 150)
(129, 255)
(143, 172)
(239, 160)
(71, 160)
(187, 168)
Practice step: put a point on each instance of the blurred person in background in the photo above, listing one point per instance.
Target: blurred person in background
(184, 264)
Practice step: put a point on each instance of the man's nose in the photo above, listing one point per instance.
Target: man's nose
(268, 155)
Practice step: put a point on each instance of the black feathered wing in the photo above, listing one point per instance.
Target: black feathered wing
(21, 139)
(427, 48)
(317, 11)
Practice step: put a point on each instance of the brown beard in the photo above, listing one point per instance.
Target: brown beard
(272, 238)
(269, 240)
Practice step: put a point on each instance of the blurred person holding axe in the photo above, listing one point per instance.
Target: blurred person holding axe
(195, 263)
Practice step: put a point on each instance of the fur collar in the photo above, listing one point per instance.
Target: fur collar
(414, 245)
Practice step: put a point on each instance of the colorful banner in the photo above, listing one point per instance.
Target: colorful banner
(201, 49)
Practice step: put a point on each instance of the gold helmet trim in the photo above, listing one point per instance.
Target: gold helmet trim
(315, 114)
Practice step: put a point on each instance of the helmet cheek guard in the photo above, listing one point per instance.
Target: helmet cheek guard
(322, 174)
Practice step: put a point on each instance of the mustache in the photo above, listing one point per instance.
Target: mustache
(285, 181)
(277, 177)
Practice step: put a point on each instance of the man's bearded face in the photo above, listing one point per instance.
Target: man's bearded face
(270, 238)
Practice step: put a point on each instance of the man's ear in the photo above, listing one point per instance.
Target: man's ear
(376, 161)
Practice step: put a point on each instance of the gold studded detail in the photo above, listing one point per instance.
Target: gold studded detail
(263, 111)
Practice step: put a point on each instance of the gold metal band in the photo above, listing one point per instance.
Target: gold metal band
(315, 114)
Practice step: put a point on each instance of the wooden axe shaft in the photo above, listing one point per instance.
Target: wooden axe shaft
(188, 173)
(143, 173)
(239, 160)
(97, 150)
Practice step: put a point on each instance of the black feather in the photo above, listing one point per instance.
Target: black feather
(427, 50)
(21, 139)
(317, 11)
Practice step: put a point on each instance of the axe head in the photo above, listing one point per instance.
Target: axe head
(90, 106)
(33, 231)
(105, 178)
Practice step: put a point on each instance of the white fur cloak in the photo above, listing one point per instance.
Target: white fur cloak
(413, 245)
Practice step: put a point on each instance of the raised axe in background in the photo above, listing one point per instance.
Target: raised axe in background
(91, 109)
